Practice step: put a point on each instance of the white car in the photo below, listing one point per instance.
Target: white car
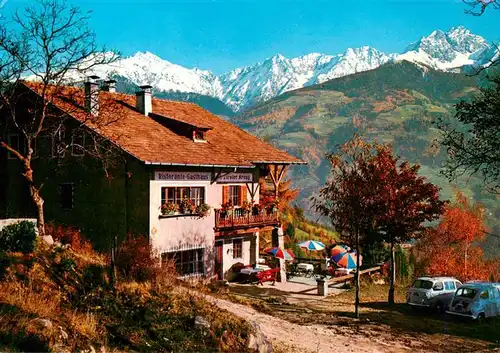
(476, 300)
(435, 293)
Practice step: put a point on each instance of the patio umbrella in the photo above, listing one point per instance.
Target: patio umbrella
(346, 259)
(281, 253)
(339, 249)
(312, 245)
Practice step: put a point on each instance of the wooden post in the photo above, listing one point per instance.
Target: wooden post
(277, 175)
(393, 273)
(112, 276)
(282, 262)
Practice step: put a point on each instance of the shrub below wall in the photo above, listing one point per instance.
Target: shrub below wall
(18, 237)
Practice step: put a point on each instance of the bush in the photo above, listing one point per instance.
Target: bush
(404, 270)
(375, 252)
(18, 237)
(70, 236)
(135, 259)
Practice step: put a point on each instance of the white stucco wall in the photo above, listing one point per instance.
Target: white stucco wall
(227, 252)
(184, 232)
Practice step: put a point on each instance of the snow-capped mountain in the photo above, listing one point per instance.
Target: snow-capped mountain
(448, 50)
(147, 68)
(244, 87)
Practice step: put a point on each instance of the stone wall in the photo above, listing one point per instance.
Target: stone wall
(9, 221)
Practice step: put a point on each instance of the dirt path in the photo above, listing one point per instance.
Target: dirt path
(313, 338)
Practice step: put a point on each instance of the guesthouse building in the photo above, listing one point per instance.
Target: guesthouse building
(186, 178)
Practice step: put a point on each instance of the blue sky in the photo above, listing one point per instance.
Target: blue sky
(222, 35)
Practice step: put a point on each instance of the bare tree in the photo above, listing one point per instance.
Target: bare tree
(478, 7)
(47, 42)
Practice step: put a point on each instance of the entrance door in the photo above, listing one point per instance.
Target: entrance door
(218, 260)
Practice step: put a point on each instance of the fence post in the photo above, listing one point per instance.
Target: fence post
(112, 277)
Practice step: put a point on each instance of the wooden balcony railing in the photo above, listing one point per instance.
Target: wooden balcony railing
(236, 218)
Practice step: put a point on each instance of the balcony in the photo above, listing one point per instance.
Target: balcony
(236, 218)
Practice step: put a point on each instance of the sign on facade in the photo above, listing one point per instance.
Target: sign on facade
(182, 176)
(203, 176)
(236, 178)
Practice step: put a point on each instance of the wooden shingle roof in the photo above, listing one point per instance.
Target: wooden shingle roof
(152, 142)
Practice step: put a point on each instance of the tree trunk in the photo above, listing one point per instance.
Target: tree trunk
(35, 195)
(38, 200)
(466, 276)
(356, 303)
(392, 276)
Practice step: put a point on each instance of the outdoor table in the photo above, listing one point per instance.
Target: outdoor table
(342, 271)
(252, 270)
(305, 267)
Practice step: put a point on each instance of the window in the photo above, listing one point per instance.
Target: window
(66, 195)
(199, 136)
(466, 293)
(19, 144)
(449, 285)
(187, 262)
(438, 286)
(458, 284)
(14, 142)
(237, 248)
(484, 295)
(235, 195)
(176, 194)
(419, 283)
(78, 144)
(58, 145)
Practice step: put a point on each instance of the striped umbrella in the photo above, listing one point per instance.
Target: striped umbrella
(346, 259)
(339, 249)
(281, 253)
(312, 245)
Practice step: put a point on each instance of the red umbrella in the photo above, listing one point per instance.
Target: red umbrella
(281, 253)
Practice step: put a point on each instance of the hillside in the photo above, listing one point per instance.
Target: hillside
(395, 103)
(60, 299)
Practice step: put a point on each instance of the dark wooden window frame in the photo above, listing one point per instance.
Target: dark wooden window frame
(238, 248)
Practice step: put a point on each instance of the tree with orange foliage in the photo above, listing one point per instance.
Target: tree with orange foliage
(286, 194)
(451, 247)
(371, 190)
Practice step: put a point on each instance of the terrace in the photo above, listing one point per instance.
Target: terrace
(239, 219)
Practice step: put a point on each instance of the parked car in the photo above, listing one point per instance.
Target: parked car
(476, 300)
(434, 293)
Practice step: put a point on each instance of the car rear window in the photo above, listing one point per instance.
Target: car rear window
(420, 283)
(449, 285)
(466, 293)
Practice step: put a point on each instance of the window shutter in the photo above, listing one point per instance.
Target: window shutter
(225, 194)
(243, 194)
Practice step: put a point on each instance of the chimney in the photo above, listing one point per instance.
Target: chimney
(143, 100)
(109, 86)
(92, 95)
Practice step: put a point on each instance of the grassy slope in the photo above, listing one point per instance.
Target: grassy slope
(396, 104)
(72, 291)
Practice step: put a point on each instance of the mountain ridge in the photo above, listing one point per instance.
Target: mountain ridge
(242, 88)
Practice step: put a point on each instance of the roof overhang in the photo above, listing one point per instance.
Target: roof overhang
(199, 165)
(280, 162)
